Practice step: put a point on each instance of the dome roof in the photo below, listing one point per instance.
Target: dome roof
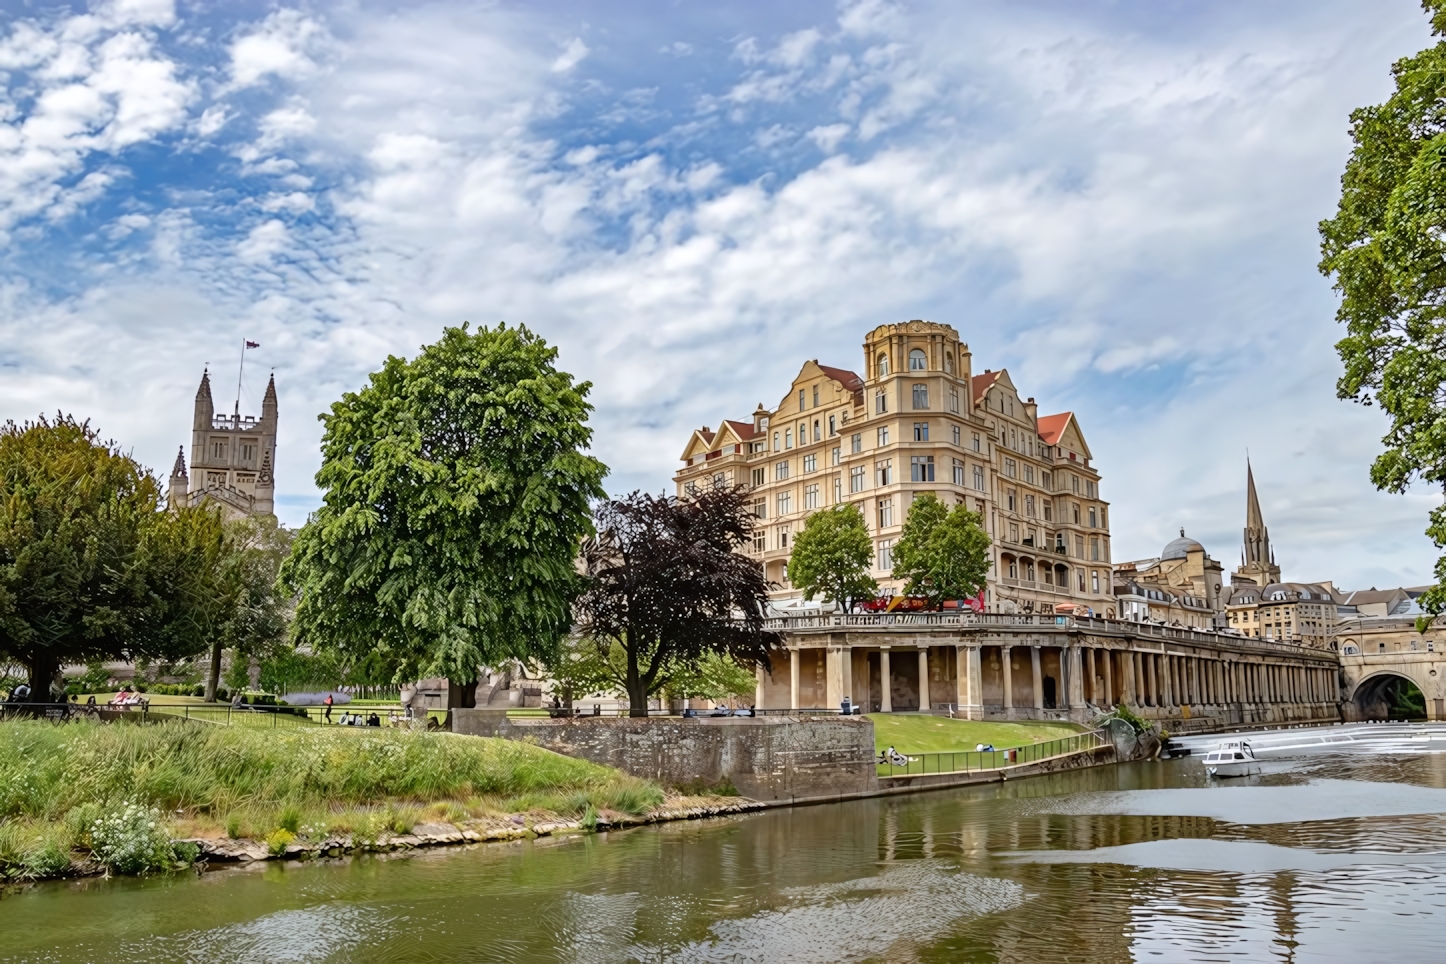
(1181, 547)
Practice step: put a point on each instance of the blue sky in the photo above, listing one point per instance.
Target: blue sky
(1116, 201)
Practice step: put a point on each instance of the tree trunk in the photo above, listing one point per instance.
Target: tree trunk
(637, 687)
(43, 668)
(213, 677)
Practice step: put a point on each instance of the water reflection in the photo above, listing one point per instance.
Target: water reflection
(1320, 859)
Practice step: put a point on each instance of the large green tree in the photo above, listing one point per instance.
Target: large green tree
(1386, 249)
(92, 565)
(832, 556)
(942, 553)
(251, 614)
(457, 490)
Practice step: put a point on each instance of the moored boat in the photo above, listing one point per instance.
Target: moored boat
(1231, 758)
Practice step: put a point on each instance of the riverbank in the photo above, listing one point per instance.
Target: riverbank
(926, 733)
(86, 798)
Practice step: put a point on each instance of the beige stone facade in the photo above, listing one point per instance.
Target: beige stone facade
(918, 421)
(233, 458)
(1182, 586)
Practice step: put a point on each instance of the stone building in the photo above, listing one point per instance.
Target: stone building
(918, 421)
(233, 458)
(1182, 586)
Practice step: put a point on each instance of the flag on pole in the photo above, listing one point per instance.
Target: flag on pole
(253, 344)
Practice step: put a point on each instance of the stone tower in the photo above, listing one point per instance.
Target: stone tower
(1257, 560)
(233, 458)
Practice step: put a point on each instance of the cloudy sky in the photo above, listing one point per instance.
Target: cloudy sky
(1115, 200)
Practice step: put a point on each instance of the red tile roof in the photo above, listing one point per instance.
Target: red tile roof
(980, 384)
(1051, 427)
(843, 376)
(744, 430)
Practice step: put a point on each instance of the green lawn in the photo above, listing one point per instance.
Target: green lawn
(917, 733)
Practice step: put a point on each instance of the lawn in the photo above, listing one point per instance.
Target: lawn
(918, 733)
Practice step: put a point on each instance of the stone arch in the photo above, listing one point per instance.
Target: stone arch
(1372, 698)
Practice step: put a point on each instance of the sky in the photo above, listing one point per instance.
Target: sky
(1116, 201)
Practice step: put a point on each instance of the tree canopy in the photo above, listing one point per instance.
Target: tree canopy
(457, 490)
(942, 553)
(667, 584)
(832, 556)
(1386, 249)
(92, 566)
(252, 615)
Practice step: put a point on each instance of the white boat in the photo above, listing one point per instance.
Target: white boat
(1231, 758)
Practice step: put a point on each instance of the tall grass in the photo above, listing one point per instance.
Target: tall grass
(253, 782)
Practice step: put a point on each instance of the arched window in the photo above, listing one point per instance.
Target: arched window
(817, 432)
(949, 362)
(775, 441)
(883, 364)
(917, 361)
(788, 438)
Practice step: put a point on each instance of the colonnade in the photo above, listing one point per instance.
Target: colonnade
(1160, 679)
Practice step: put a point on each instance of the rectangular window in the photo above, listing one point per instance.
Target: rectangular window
(1011, 468)
(954, 434)
(1081, 579)
(783, 538)
(1092, 518)
(1079, 550)
(1044, 479)
(1074, 512)
(1010, 501)
(835, 455)
(959, 473)
(719, 480)
(921, 431)
(810, 463)
(800, 399)
(856, 478)
(921, 395)
(883, 436)
(1014, 532)
(886, 554)
(1094, 548)
(954, 400)
(856, 443)
(788, 438)
(759, 477)
(248, 451)
(760, 508)
(881, 403)
(1095, 580)
(886, 513)
(921, 468)
(760, 540)
(1029, 506)
(780, 471)
(837, 489)
(1048, 509)
(1091, 490)
(832, 426)
(977, 443)
(1074, 483)
(810, 496)
(815, 396)
(979, 477)
(785, 503)
(1029, 473)
(884, 472)
(218, 449)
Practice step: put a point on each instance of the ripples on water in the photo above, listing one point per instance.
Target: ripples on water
(1331, 857)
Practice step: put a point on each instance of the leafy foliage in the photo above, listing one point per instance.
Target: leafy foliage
(1386, 248)
(667, 584)
(131, 839)
(832, 556)
(252, 614)
(942, 553)
(456, 494)
(92, 567)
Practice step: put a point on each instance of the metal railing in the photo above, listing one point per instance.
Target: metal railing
(970, 761)
(221, 714)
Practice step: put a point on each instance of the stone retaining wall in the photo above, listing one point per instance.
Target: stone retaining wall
(766, 758)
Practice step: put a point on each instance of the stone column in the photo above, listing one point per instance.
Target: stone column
(1034, 665)
(886, 699)
(1129, 686)
(758, 686)
(846, 658)
(961, 679)
(924, 700)
(833, 675)
(793, 660)
(1074, 677)
(1154, 680)
(1106, 677)
(1170, 693)
(976, 684)
(1008, 678)
(1092, 694)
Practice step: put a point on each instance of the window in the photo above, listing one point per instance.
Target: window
(1091, 489)
(760, 540)
(921, 395)
(788, 438)
(780, 470)
(949, 362)
(834, 455)
(1011, 468)
(977, 443)
(1074, 485)
(1095, 580)
(1014, 532)
(690, 487)
(979, 477)
(775, 442)
(884, 472)
(1044, 479)
(883, 436)
(1048, 509)
(1095, 550)
(810, 496)
(886, 554)
(783, 538)
(856, 443)
(856, 478)
(1079, 552)
(218, 449)
(1029, 506)
(1013, 569)
(815, 396)
(1010, 501)
(883, 365)
(921, 431)
(1081, 579)
(800, 399)
(1104, 522)
(881, 403)
(810, 463)
(921, 468)
(719, 480)
(954, 400)
(837, 489)
(785, 503)
(759, 476)
(1028, 473)
(955, 434)
(219, 478)
(817, 432)
(1092, 518)
(1074, 511)
(959, 473)
(760, 508)
(886, 513)
(832, 426)
(248, 450)
(917, 362)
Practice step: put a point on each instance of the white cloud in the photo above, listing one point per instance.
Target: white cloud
(284, 46)
(264, 242)
(829, 136)
(293, 203)
(571, 56)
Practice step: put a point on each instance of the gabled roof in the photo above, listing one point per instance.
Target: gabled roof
(700, 440)
(979, 385)
(1051, 427)
(744, 430)
(843, 376)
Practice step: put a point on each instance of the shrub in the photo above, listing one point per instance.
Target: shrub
(131, 840)
(277, 841)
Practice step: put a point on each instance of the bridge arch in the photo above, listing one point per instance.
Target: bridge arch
(1389, 694)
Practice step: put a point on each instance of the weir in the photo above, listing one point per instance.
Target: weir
(992, 666)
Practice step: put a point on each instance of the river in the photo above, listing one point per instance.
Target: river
(1331, 856)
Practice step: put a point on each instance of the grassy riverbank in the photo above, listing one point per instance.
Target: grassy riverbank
(65, 790)
(921, 733)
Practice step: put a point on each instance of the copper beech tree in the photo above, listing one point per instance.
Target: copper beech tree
(667, 584)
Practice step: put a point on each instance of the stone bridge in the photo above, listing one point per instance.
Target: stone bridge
(1041, 667)
(1367, 678)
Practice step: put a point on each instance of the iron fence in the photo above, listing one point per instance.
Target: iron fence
(968, 761)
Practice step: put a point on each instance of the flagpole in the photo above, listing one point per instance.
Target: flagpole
(236, 417)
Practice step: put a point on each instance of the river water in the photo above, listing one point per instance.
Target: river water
(1331, 856)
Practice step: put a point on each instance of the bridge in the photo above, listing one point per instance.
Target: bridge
(1372, 672)
(994, 666)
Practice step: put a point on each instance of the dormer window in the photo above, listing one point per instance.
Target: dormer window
(917, 361)
(883, 365)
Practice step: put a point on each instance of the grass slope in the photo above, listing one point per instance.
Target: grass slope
(919, 733)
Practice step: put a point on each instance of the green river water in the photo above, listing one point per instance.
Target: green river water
(1335, 857)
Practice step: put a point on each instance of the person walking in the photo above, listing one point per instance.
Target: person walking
(326, 713)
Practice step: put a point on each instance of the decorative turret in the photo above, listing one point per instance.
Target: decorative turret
(180, 484)
(205, 408)
(1258, 558)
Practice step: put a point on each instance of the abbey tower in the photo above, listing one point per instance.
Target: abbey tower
(233, 458)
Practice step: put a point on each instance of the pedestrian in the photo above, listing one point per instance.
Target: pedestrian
(326, 713)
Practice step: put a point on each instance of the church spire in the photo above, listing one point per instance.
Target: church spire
(1258, 562)
(179, 471)
(1253, 518)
